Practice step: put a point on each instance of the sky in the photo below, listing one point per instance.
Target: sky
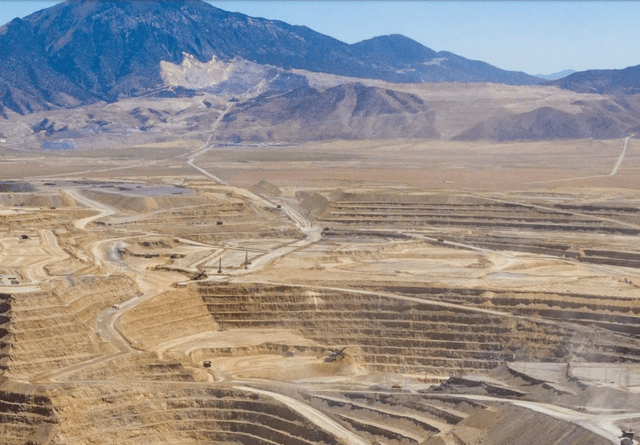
(539, 37)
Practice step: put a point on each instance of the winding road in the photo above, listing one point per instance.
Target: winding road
(106, 321)
(207, 146)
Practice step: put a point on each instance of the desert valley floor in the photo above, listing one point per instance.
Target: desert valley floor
(363, 292)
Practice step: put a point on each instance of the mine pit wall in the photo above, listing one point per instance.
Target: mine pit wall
(363, 214)
(150, 203)
(401, 417)
(423, 222)
(50, 201)
(618, 315)
(592, 208)
(32, 220)
(263, 349)
(420, 406)
(90, 295)
(200, 223)
(608, 257)
(395, 212)
(27, 416)
(547, 430)
(143, 366)
(172, 315)
(398, 336)
(144, 413)
(45, 331)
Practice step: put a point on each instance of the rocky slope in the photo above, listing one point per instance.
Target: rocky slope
(544, 124)
(603, 118)
(351, 111)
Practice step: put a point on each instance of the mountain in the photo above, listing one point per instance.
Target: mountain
(548, 123)
(624, 81)
(83, 51)
(556, 76)
(405, 60)
(348, 111)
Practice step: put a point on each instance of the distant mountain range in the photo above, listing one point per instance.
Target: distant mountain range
(83, 51)
(556, 76)
(271, 82)
(625, 81)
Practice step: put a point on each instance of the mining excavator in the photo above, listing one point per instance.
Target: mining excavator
(332, 356)
(198, 276)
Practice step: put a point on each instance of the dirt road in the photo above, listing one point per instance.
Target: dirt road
(103, 209)
(206, 147)
(616, 167)
(621, 158)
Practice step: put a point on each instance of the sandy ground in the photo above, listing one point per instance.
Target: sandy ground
(284, 244)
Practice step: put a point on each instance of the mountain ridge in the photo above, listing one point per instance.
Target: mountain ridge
(556, 76)
(346, 111)
(620, 81)
(104, 50)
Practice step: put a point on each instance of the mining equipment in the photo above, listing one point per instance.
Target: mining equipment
(218, 223)
(220, 266)
(206, 364)
(626, 438)
(24, 237)
(198, 276)
(278, 206)
(332, 356)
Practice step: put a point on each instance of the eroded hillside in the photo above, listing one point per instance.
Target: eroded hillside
(301, 106)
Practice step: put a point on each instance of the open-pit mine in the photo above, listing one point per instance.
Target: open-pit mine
(365, 292)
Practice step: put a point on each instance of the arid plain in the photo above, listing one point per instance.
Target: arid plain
(392, 291)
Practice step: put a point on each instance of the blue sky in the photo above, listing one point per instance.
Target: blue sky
(536, 37)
